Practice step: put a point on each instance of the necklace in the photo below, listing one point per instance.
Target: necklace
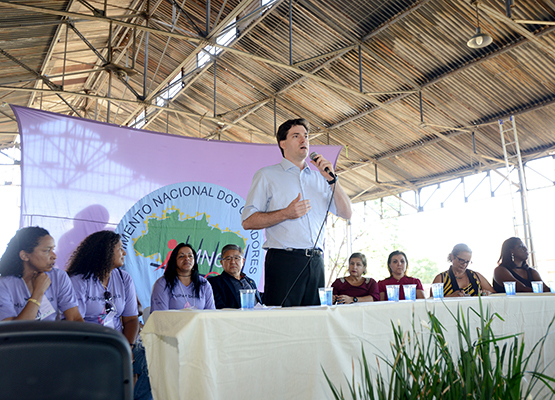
(459, 277)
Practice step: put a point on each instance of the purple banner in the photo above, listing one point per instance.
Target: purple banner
(80, 176)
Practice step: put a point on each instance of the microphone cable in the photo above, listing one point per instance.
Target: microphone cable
(313, 248)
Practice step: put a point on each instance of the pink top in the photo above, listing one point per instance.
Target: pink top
(405, 280)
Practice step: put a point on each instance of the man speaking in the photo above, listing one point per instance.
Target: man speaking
(291, 201)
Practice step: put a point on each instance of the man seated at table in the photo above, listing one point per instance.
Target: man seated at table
(227, 285)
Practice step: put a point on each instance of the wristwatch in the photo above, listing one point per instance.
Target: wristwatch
(355, 299)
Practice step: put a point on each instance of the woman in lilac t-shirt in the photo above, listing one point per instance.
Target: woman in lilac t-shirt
(182, 286)
(30, 287)
(106, 294)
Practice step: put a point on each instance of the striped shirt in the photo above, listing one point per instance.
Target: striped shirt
(450, 284)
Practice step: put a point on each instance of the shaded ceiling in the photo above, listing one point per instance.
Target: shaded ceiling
(393, 81)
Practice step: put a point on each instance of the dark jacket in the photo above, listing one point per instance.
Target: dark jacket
(225, 294)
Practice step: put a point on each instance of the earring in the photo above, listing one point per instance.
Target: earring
(513, 257)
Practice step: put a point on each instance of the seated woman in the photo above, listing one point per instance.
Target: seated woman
(514, 268)
(460, 281)
(355, 287)
(397, 264)
(182, 286)
(30, 287)
(106, 294)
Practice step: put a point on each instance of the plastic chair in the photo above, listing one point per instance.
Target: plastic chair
(146, 314)
(55, 360)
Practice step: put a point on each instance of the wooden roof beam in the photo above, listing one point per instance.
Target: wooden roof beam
(441, 78)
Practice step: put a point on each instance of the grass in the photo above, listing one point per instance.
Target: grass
(424, 367)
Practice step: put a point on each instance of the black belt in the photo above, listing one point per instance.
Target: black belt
(303, 252)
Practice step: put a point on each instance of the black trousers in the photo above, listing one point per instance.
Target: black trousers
(281, 269)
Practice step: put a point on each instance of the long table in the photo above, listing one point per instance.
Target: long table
(280, 353)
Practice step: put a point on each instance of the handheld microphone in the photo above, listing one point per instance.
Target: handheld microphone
(314, 157)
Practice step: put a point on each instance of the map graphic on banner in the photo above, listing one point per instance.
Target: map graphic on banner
(204, 215)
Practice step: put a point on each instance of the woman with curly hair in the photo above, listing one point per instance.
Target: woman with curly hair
(182, 286)
(107, 296)
(30, 287)
(105, 293)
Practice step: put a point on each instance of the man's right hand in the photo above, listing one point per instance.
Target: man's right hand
(261, 220)
(297, 208)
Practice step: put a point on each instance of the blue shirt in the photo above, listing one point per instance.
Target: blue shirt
(274, 188)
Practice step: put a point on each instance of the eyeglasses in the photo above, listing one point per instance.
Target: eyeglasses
(235, 258)
(463, 261)
(108, 306)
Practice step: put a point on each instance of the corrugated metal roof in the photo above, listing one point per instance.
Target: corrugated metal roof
(406, 47)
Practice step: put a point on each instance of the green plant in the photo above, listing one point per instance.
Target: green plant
(424, 367)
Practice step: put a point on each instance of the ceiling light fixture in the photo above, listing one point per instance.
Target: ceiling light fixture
(480, 39)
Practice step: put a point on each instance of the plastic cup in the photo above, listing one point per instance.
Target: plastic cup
(552, 286)
(322, 294)
(437, 290)
(410, 292)
(392, 292)
(510, 288)
(329, 296)
(326, 296)
(247, 298)
(537, 286)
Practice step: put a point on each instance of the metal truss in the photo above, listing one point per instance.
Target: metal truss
(495, 183)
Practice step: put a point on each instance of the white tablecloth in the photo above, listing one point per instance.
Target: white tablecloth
(280, 353)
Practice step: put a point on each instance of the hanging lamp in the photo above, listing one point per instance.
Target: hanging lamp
(480, 39)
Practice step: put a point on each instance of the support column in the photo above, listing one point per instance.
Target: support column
(215, 80)
(145, 66)
(109, 95)
(360, 68)
(207, 17)
(275, 116)
(290, 32)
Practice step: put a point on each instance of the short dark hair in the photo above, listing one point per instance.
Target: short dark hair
(229, 247)
(283, 129)
(25, 239)
(396, 253)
